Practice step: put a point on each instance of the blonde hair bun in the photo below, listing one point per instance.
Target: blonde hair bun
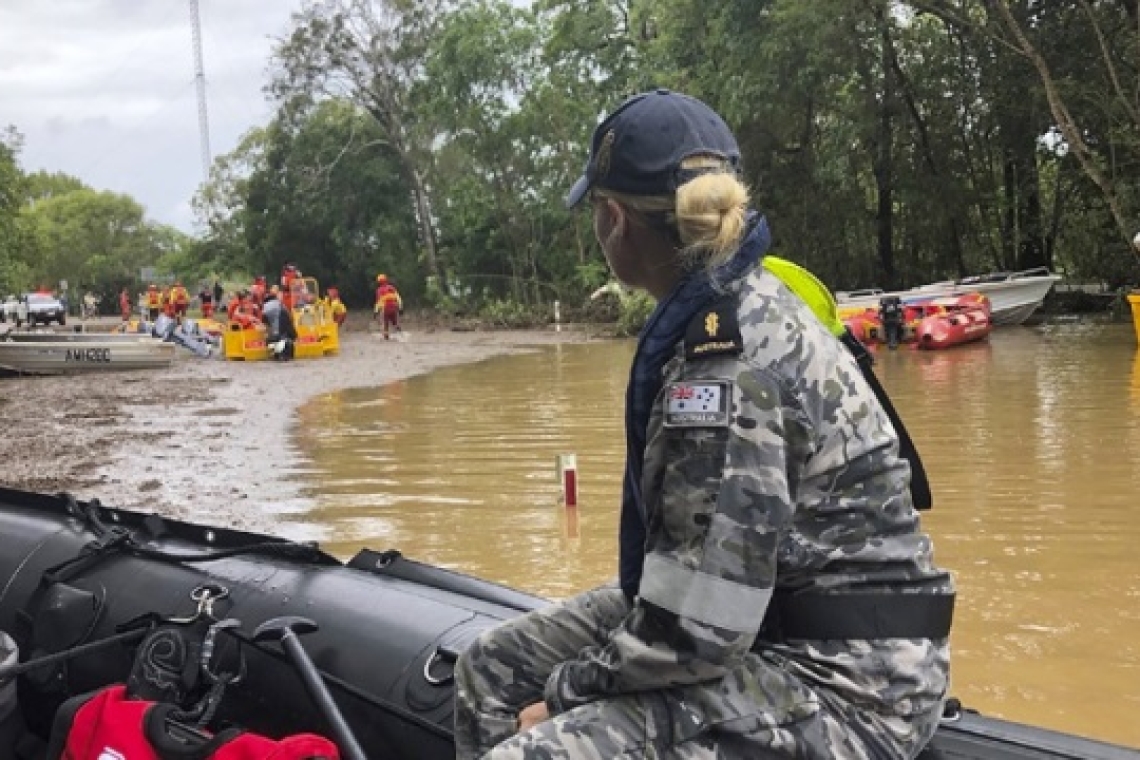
(710, 211)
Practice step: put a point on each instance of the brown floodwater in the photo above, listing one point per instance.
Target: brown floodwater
(1031, 440)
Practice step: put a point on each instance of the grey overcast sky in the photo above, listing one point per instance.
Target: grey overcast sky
(104, 89)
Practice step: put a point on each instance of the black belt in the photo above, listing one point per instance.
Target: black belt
(856, 616)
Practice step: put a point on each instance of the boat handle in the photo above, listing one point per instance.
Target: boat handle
(440, 654)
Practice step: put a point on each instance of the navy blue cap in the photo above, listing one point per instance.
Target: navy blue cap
(638, 149)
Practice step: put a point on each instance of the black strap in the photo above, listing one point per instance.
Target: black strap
(856, 616)
(20, 669)
(919, 484)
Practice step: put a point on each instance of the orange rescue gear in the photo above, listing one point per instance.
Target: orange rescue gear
(153, 298)
(181, 299)
(244, 311)
(388, 299)
(257, 291)
(289, 275)
(337, 307)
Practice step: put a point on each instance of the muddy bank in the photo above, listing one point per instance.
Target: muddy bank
(206, 439)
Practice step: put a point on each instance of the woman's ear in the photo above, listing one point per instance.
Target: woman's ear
(617, 220)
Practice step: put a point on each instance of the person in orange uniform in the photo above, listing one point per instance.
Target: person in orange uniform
(206, 299)
(153, 302)
(244, 310)
(168, 302)
(258, 290)
(388, 304)
(234, 304)
(181, 299)
(337, 307)
(289, 274)
(125, 304)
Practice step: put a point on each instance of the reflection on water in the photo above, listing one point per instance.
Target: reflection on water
(1031, 441)
(459, 467)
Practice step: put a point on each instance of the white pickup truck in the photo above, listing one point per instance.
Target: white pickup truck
(8, 309)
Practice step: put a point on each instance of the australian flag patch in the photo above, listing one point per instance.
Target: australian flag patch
(700, 404)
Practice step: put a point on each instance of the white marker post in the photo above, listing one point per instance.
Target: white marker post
(557, 317)
(568, 478)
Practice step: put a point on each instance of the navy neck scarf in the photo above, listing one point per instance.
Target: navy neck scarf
(655, 345)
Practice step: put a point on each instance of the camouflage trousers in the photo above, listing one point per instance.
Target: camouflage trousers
(764, 712)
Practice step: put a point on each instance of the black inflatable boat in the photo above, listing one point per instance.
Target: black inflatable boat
(73, 573)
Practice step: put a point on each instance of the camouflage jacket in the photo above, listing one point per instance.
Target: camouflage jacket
(770, 464)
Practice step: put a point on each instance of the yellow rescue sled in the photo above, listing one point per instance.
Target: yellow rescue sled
(317, 333)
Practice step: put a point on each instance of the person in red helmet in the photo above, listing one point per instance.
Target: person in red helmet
(258, 290)
(290, 283)
(153, 302)
(388, 304)
(180, 297)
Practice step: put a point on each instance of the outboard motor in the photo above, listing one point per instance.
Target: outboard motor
(891, 315)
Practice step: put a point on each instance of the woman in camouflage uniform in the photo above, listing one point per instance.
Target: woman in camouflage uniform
(778, 597)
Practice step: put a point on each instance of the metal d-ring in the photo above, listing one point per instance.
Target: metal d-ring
(952, 711)
(427, 669)
(205, 596)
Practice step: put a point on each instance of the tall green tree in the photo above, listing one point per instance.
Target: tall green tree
(370, 54)
(888, 142)
(14, 237)
(96, 241)
(321, 191)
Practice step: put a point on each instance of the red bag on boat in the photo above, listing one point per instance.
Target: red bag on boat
(108, 726)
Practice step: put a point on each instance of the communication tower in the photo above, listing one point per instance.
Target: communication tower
(200, 81)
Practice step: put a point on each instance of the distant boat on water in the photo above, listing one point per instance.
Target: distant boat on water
(1014, 296)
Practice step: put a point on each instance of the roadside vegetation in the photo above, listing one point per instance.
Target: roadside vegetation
(889, 143)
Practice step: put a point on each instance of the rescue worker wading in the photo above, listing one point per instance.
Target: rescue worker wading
(388, 304)
(778, 597)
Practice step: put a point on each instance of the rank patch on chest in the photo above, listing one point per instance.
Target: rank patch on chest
(697, 405)
(714, 331)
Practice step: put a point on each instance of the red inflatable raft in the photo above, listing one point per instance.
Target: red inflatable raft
(965, 320)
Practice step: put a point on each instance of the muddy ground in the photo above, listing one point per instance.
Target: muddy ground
(206, 437)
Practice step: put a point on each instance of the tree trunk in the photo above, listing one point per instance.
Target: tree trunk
(427, 229)
(1064, 118)
(1020, 128)
(883, 167)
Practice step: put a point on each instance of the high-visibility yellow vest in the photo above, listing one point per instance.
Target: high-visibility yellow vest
(810, 290)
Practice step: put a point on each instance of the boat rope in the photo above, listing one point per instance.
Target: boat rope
(112, 539)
